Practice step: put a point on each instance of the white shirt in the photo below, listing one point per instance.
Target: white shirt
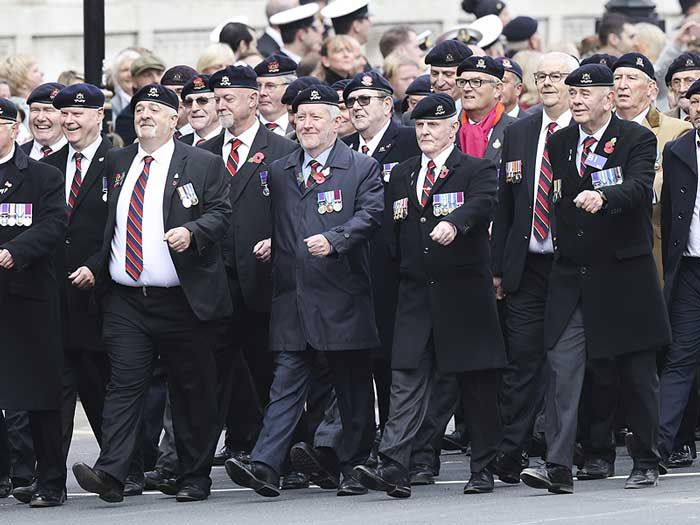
(207, 137)
(374, 141)
(639, 119)
(186, 129)
(546, 246)
(291, 54)
(36, 152)
(8, 157)
(582, 135)
(439, 161)
(282, 123)
(246, 139)
(158, 267)
(514, 112)
(88, 155)
(692, 249)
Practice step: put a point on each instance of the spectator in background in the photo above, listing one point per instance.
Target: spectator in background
(270, 41)
(123, 84)
(214, 58)
(70, 77)
(650, 40)
(338, 59)
(5, 91)
(22, 73)
(400, 71)
(240, 38)
(528, 61)
(350, 19)
(521, 34)
(401, 40)
(301, 31)
(617, 34)
(682, 40)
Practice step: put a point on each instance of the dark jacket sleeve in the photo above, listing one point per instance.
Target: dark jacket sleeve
(503, 216)
(479, 198)
(665, 205)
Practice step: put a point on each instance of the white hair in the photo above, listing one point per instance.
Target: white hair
(567, 60)
(333, 111)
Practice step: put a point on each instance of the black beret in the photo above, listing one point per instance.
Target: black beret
(295, 87)
(510, 65)
(420, 86)
(79, 96)
(155, 93)
(590, 75)
(341, 84)
(683, 62)
(600, 58)
(45, 93)
(483, 7)
(520, 28)
(321, 94)
(275, 66)
(694, 89)
(436, 106)
(368, 80)
(234, 77)
(484, 64)
(199, 84)
(178, 76)
(448, 54)
(8, 110)
(636, 61)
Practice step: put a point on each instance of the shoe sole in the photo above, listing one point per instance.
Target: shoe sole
(475, 490)
(189, 499)
(90, 482)
(45, 504)
(642, 486)
(168, 490)
(308, 464)
(22, 498)
(245, 478)
(535, 482)
(588, 477)
(352, 492)
(374, 482)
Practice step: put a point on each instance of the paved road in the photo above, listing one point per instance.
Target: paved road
(676, 501)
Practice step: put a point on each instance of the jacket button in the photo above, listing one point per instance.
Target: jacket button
(525, 236)
(680, 216)
(583, 270)
(346, 235)
(431, 282)
(67, 240)
(683, 190)
(579, 233)
(676, 243)
(339, 229)
(426, 250)
(422, 220)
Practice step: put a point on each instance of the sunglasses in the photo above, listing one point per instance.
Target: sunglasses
(201, 101)
(364, 100)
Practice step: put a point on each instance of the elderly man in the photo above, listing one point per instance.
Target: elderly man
(327, 202)
(512, 87)
(604, 299)
(175, 78)
(44, 122)
(683, 71)
(199, 101)
(443, 60)
(162, 288)
(275, 73)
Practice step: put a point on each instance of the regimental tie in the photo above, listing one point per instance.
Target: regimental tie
(233, 159)
(428, 183)
(272, 126)
(587, 145)
(544, 185)
(134, 224)
(365, 149)
(46, 151)
(315, 170)
(200, 141)
(77, 181)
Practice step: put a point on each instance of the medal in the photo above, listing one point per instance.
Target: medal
(556, 190)
(186, 201)
(28, 214)
(337, 200)
(12, 221)
(321, 197)
(4, 212)
(190, 193)
(105, 187)
(437, 205)
(263, 182)
(20, 214)
(386, 169)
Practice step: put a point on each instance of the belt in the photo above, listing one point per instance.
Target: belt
(148, 291)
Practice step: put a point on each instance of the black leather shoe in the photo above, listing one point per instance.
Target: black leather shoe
(681, 458)
(456, 440)
(133, 485)
(295, 480)
(221, 456)
(595, 468)
(557, 479)
(389, 477)
(373, 459)
(191, 492)
(480, 483)
(257, 476)
(508, 469)
(350, 486)
(642, 478)
(422, 475)
(5, 486)
(25, 492)
(316, 463)
(241, 455)
(98, 482)
(48, 498)
(161, 480)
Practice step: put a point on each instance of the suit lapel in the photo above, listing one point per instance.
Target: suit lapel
(386, 143)
(95, 171)
(530, 149)
(248, 169)
(13, 179)
(176, 168)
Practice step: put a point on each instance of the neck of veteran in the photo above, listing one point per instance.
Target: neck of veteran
(241, 126)
(592, 126)
(632, 112)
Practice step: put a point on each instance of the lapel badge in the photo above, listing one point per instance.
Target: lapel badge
(610, 145)
(496, 144)
(176, 176)
(118, 179)
(100, 159)
(443, 172)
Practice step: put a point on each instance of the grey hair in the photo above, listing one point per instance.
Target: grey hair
(569, 61)
(333, 111)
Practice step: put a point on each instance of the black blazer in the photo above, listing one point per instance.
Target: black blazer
(124, 125)
(201, 267)
(187, 139)
(251, 222)
(27, 147)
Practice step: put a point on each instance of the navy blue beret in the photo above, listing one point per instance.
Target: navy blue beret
(436, 106)
(484, 64)
(600, 58)
(683, 62)
(448, 54)
(8, 110)
(321, 94)
(341, 84)
(79, 96)
(420, 86)
(295, 87)
(520, 28)
(636, 61)
(45, 93)
(199, 84)
(590, 75)
(368, 80)
(178, 76)
(510, 65)
(155, 93)
(234, 77)
(275, 66)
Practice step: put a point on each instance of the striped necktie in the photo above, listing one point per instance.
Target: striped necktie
(587, 145)
(233, 159)
(544, 184)
(428, 183)
(77, 181)
(134, 224)
(315, 170)
(365, 149)
(46, 151)
(272, 126)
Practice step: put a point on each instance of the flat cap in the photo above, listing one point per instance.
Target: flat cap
(600, 58)
(636, 61)
(8, 110)
(199, 84)
(590, 75)
(145, 62)
(436, 106)
(234, 77)
(178, 76)
(368, 80)
(295, 87)
(510, 65)
(157, 93)
(420, 86)
(520, 28)
(45, 93)
(276, 66)
(448, 54)
(683, 62)
(79, 96)
(321, 94)
(483, 64)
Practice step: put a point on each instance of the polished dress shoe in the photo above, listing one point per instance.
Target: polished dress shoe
(389, 477)
(317, 463)
(508, 469)
(24, 493)
(456, 440)
(5, 486)
(681, 458)
(98, 482)
(162, 480)
(133, 485)
(257, 476)
(579, 455)
(295, 480)
(350, 486)
(642, 478)
(422, 475)
(48, 498)
(595, 468)
(221, 456)
(191, 492)
(480, 483)
(557, 479)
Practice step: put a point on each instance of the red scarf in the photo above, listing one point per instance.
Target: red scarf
(474, 138)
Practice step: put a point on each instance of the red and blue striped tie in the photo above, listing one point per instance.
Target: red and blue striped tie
(428, 183)
(585, 152)
(134, 223)
(544, 184)
(77, 182)
(233, 159)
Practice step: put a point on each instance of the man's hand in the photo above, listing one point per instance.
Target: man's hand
(6, 260)
(82, 278)
(444, 233)
(178, 239)
(263, 250)
(589, 200)
(498, 286)
(318, 245)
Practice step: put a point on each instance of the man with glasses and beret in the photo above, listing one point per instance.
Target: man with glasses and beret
(198, 101)
(162, 290)
(604, 300)
(175, 79)
(275, 73)
(44, 122)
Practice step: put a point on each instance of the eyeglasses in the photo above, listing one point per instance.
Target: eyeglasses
(555, 77)
(201, 101)
(269, 86)
(364, 100)
(474, 83)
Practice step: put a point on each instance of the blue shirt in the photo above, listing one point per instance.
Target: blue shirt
(322, 159)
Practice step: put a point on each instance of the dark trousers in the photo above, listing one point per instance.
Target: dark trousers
(521, 393)
(351, 378)
(381, 372)
(4, 449)
(19, 437)
(137, 326)
(683, 356)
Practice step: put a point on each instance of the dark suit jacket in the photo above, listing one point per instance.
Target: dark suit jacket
(27, 147)
(251, 222)
(267, 45)
(124, 126)
(605, 259)
(495, 145)
(187, 139)
(31, 350)
(324, 302)
(200, 268)
(82, 246)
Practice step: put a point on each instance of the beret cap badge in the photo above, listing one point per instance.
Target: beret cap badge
(153, 92)
(315, 95)
(586, 78)
(481, 64)
(449, 58)
(53, 93)
(273, 67)
(689, 62)
(198, 83)
(225, 81)
(79, 98)
(640, 61)
(366, 80)
(506, 63)
(440, 110)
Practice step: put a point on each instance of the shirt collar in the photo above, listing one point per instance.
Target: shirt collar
(246, 137)
(54, 147)
(88, 153)
(186, 129)
(562, 121)
(582, 135)
(322, 158)
(639, 119)
(162, 155)
(440, 159)
(514, 112)
(291, 54)
(7, 158)
(374, 142)
(209, 136)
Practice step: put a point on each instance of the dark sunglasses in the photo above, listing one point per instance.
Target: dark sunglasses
(201, 101)
(364, 100)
